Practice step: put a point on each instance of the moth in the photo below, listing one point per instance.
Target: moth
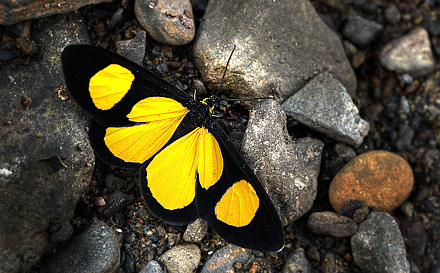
(187, 166)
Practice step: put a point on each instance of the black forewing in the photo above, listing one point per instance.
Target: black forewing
(82, 62)
(264, 232)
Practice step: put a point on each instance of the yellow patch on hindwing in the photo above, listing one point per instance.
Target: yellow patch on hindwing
(171, 175)
(110, 85)
(238, 205)
(138, 143)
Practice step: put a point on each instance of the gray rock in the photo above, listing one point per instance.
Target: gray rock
(117, 202)
(378, 245)
(297, 263)
(152, 267)
(95, 251)
(410, 53)
(168, 22)
(133, 49)
(331, 223)
(182, 258)
(280, 44)
(288, 170)
(360, 30)
(46, 161)
(196, 231)
(13, 11)
(223, 260)
(325, 106)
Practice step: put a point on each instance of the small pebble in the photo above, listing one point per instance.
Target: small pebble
(407, 208)
(332, 263)
(358, 59)
(377, 178)
(168, 22)
(297, 262)
(360, 214)
(345, 151)
(333, 224)
(25, 103)
(313, 254)
(152, 267)
(223, 260)
(361, 31)
(196, 231)
(410, 53)
(182, 258)
(117, 201)
(100, 201)
(392, 13)
(116, 18)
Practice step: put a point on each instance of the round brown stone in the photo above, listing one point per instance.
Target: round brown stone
(377, 178)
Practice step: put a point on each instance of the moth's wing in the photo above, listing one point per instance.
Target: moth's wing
(264, 232)
(166, 170)
(82, 62)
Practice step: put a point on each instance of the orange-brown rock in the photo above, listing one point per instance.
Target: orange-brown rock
(377, 178)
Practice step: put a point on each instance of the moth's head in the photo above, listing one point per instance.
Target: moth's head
(211, 102)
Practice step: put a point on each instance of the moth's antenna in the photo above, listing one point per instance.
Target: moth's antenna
(224, 73)
(266, 98)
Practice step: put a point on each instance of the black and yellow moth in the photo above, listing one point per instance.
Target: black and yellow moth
(187, 166)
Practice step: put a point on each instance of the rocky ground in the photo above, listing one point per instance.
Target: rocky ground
(379, 75)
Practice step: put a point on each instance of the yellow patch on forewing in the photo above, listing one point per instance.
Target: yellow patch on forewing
(109, 86)
(238, 205)
(171, 175)
(136, 144)
(156, 108)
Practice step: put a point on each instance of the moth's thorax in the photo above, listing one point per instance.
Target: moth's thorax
(200, 112)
